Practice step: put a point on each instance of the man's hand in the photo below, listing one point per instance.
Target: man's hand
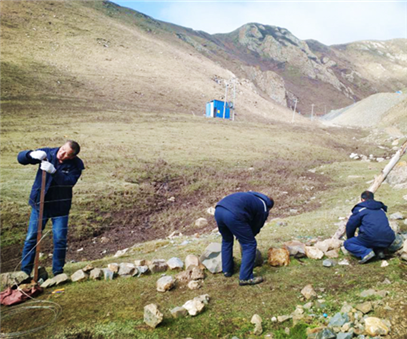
(39, 155)
(48, 167)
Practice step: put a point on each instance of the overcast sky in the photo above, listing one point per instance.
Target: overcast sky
(328, 21)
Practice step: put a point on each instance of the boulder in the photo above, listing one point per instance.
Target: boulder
(192, 273)
(201, 222)
(308, 292)
(278, 256)
(295, 248)
(212, 258)
(114, 267)
(194, 306)
(79, 276)
(165, 283)
(313, 252)
(178, 312)
(60, 278)
(152, 315)
(195, 284)
(175, 264)
(191, 260)
(158, 265)
(108, 274)
(126, 269)
(365, 307)
(11, 278)
(256, 320)
(375, 327)
(96, 274)
(338, 320)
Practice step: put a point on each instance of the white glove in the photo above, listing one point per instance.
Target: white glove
(39, 155)
(48, 167)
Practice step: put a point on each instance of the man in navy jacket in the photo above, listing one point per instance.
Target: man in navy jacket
(375, 233)
(242, 215)
(63, 168)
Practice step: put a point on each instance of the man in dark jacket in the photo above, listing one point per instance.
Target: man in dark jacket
(63, 169)
(242, 215)
(375, 233)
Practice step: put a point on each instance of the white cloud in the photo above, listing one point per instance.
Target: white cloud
(328, 22)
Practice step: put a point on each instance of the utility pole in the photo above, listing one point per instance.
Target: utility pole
(312, 112)
(224, 104)
(295, 107)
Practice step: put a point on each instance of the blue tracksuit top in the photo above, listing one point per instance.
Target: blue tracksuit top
(58, 186)
(370, 217)
(250, 207)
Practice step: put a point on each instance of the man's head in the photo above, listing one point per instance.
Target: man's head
(68, 151)
(367, 195)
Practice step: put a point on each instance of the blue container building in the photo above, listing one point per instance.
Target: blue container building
(215, 108)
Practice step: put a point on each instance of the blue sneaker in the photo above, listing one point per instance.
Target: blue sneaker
(367, 257)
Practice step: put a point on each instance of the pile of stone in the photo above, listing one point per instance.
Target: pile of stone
(153, 316)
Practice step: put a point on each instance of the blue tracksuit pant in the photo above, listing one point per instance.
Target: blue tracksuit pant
(230, 226)
(360, 248)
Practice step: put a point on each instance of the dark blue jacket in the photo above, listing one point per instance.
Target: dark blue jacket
(58, 186)
(370, 217)
(251, 207)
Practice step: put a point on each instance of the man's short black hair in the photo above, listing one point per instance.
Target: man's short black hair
(367, 195)
(74, 146)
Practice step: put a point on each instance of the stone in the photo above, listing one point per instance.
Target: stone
(346, 308)
(256, 320)
(308, 292)
(201, 222)
(114, 267)
(194, 306)
(60, 278)
(195, 284)
(365, 307)
(192, 273)
(322, 245)
(12, 278)
(212, 258)
(326, 334)
(394, 225)
(396, 216)
(152, 315)
(283, 318)
(165, 283)
(332, 254)
(367, 293)
(191, 260)
(342, 335)
(79, 276)
(339, 319)
(295, 248)
(384, 263)
(158, 265)
(343, 262)
(141, 262)
(313, 252)
(120, 253)
(398, 175)
(210, 210)
(48, 283)
(328, 263)
(175, 264)
(108, 274)
(307, 306)
(126, 269)
(96, 274)
(178, 312)
(88, 268)
(142, 270)
(375, 326)
(278, 257)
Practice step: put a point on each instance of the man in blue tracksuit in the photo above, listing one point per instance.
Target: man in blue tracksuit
(242, 215)
(63, 168)
(375, 233)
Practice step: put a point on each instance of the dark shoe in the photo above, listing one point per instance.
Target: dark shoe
(367, 257)
(227, 274)
(381, 255)
(254, 281)
(57, 273)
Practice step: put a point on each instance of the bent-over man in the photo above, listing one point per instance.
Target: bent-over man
(63, 169)
(375, 234)
(242, 215)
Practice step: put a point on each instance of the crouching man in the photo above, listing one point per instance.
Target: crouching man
(242, 215)
(375, 234)
(63, 169)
